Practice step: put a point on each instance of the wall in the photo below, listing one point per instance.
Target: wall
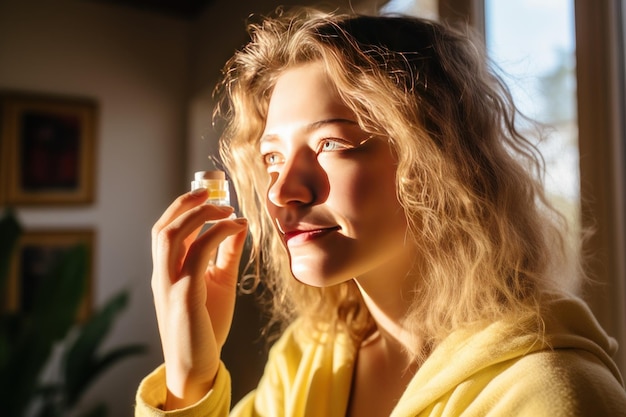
(134, 64)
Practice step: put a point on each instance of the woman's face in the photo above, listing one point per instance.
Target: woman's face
(332, 187)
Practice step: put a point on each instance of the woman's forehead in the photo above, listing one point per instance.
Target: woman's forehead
(304, 95)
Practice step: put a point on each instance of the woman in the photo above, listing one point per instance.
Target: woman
(397, 220)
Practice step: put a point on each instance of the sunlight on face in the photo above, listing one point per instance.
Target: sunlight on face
(332, 191)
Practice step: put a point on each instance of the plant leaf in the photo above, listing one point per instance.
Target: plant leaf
(60, 295)
(56, 303)
(92, 371)
(81, 364)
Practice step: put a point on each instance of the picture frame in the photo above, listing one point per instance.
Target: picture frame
(4, 172)
(37, 253)
(47, 149)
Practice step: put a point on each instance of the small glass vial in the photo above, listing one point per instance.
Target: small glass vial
(216, 184)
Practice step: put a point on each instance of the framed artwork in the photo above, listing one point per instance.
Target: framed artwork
(3, 166)
(48, 150)
(37, 254)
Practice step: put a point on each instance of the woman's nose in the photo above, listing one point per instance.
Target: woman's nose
(299, 181)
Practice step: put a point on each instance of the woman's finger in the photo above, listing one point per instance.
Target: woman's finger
(172, 241)
(229, 254)
(217, 239)
(178, 207)
(221, 283)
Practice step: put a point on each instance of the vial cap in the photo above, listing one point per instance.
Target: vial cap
(209, 175)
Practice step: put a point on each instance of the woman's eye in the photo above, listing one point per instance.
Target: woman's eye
(329, 145)
(271, 159)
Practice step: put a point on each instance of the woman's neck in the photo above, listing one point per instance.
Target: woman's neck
(386, 356)
(388, 297)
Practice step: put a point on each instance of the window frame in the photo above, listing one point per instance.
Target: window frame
(600, 78)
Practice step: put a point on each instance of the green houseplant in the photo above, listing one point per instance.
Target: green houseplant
(28, 338)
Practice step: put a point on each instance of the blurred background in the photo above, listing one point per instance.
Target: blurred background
(149, 66)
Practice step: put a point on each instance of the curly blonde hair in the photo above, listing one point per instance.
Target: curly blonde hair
(489, 243)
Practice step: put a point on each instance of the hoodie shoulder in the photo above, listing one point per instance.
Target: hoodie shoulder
(573, 374)
(559, 382)
(504, 370)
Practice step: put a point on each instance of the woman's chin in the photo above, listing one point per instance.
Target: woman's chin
(314, 277)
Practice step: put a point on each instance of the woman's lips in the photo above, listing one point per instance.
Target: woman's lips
(295, 237)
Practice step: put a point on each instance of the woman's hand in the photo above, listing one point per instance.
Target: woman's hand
(194, 291)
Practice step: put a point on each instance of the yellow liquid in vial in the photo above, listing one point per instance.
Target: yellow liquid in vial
(217, 194)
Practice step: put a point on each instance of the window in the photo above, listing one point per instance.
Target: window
(533, 44)
(421, 8)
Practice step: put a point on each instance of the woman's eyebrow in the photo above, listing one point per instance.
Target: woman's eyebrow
(321, 123)
(269, 137)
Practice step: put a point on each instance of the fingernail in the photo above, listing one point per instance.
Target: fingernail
(241, 220)
(198, 191)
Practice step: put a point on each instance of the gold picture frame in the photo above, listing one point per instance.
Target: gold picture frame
(48, 150)
(36, 254)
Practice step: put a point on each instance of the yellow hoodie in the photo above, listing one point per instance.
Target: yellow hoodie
(496, 371)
